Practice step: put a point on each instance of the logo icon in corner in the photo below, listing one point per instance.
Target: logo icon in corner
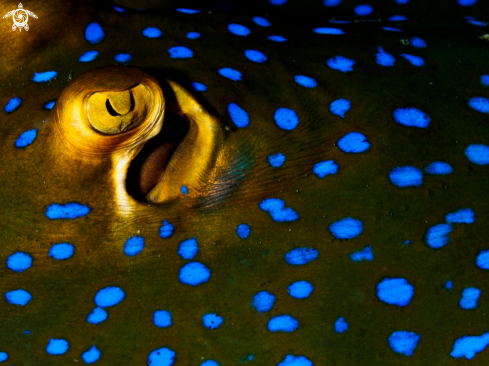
(20, 17)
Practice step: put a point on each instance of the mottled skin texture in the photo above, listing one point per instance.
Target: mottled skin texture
(63, 291)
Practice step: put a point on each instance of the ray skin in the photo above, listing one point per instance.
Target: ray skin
(44, 172)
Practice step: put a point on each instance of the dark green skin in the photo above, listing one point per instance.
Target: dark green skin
(63, 291)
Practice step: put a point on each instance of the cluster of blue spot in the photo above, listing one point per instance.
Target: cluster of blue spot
(437, 235)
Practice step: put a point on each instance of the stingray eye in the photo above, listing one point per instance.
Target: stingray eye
(113, 112)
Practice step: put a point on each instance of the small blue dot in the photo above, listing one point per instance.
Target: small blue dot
(94, 33)
(411, 117)
(13, 104)
(26, 138)
(283, 323)
(88, 56)
(301, 256)
(363, 255)
(212, 321)
(194, 273)
(417, 42)
(276, 208)
(341, 325)
(286, 119)
(276, 160)
(162, 318)
(238, 115)
(325, 30)
(363, 10)
(276, 38)
(123, 57)
(339, 107)
(193, 35)
(437, 236)
(62, 251)
(305, 81)
(404, 342)
(406, 176)
(414, 60)
(485, 80)
(477, 22)
(324, 168)
(390, 29)
(18, 297)
(341, 63)
(134, 246)
(261, 21)
(57, 346)
(184, 190)
(478, 154)
(161, 357)
(92, 355)
(332, 3)
(152, 32)
(480, 104)
(199, 87)
(19, 262)
(395, 291)
(397, 18)
(42, 77)
(187, 11)
(470, 296)
(166, 230)
(438, 168)
(243, 231)
(300, 289)
(229, 73)
(347, 228)
(449, 285)
(255, 56)
(263, 301)
(483, 259)
(353, 142)
(238, 29)
(109, 296)
(188, 249)
(49, 104)
(98, 315)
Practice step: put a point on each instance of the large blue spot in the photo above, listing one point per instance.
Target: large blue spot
(363, 255)
(199, 86)
(326, 30)
(212, 321)
(70, 210)
(261, 21)
(339, 107)
(194, 273)
(478, 154)
(363, 10)
(332, 3)
(276, 38)
(263, 301)
(161, 356)
(162, 318)
(3, 356)
(238, 29)
(18, 297)
(470, 296)
(395, 291)
(166, 230)
(13, 104)
(276, 208)
(291, 360)
(347, 228)
(276, 160)
(480, 104)
(243, 231)
(384, 59)
(49, 105)
(184, 189)
(300, 289)
(417, 42)
(468, 346)
(283, 323)
(414, 60)
(438, 168)
(152, 32)
(411, 117)
(187, 11)
(404, 342)
(188, 248)
(19, 262)
(340, 326)
(437, 236)
(305, 81)
(229, 73)
(483, 259)
(485, 80)
(109, 296)
(301, 256)
(123, 57)
(341, 63)
(406, 176)
(256, 56)
(193, 35)
(98, 315)
(26, 138)
(462, 216)
(286, 119)
(180, 52)
(466, 2)
(92, 355)
(94, 33)
(354, 142)
(324, 168)
(238, 115)
(57, 346)
(134, 246)
(88, 56)
(42, 77)
(61, 251)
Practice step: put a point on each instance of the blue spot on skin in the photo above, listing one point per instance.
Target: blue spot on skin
(161, 357)
(485, 80)
(468, 346)
(406, 176)
(478, 154)
(134, 246)
(255, 56)
(187, 11)
(277, 38)
(477, 22)
(188, 249)
(193, 35)
(199, 87)
(466, 2)
(18, 297)
(283, 323)
(340, 326)
(411, 117)
(238, 29)
(325, 30)
(363, 255)
(49, 105)
(243, 231)
(13, 104)
(395, 291)
(291, 360)
(152, 32)
(417, 42)
(301, 256)
(123, 57)
(229, 73)
(180, 52)
(480, 104)
(278, 2)
(397, 18)
(70, 210)
(391, 30)
(469, 299)
(363, 10)
(98, 315)
(414, 60)
(384, 59)
(92, 355)
(402, 1)
(438, 168)
(42, 77)
(3, 356)
(354, 142)
(483, 259)
(305, 81)
(341, 63)
(94, 33)
(339, 107)
(332, 3)
(238, 115)
(62, 251)
(166, 230)
(276, 160)
(347, 228)
(184, 189)
(109, 296)
(276, 208)
(194, 273)
(404, 342)
(57, 346)
(449, 285)
(324, 168)
(261, 21)
(212, 321)
(437, 236)
(462, 216)
(300, 289)
(19, 262)
(162, 318)
(286, 119)
(120, 10)
(26, 138)
(88, 56)
(209, 363)
(263, 301)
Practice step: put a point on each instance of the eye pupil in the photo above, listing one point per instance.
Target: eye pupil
(110, 109)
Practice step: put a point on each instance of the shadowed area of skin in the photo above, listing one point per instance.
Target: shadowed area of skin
(43, 173)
